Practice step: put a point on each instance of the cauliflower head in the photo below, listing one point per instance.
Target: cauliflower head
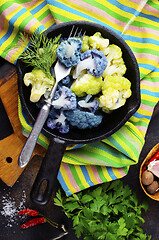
(115, 91)
(86, 84)
(39, 82)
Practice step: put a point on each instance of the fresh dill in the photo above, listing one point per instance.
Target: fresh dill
(41, 53)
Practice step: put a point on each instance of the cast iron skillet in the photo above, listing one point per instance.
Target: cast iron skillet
(110, 124)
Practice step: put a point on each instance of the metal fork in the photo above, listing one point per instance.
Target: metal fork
(60, 72)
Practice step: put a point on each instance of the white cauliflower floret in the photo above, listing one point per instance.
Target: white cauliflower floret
(40, 83)
(115, 62)
(109, 98)
(117, 68)
(114, 53)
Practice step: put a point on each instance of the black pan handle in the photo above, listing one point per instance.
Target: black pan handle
(47, 175)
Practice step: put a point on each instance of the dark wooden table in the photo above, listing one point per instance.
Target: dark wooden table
(19, 194)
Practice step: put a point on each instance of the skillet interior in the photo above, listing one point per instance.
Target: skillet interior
(111, 122)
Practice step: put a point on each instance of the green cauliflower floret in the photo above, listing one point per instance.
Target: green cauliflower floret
(86, 84)
(40, 83)
(115, 91)
(115, 62)
(85, 45)
(95, 42)
(98, 42)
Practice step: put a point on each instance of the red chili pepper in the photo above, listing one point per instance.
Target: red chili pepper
(33, 222)
(29, 212)
(154, 158)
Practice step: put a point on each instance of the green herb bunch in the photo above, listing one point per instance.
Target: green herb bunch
(41, 53)
(107, 212)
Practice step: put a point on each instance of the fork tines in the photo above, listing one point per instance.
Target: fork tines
(75, 33)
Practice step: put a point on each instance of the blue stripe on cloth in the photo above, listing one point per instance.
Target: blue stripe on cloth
(111, 174)
(131, 38)
(63, 184)
(147, 66)
(86, 175)
(140, 116)
(41, 29)
(124, 8)
(149, 93)
(17, 15)
(7, 35)
(38, 8)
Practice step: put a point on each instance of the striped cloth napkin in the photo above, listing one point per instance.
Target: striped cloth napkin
(136, 21)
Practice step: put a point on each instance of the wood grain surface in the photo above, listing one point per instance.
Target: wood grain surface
(11, 146)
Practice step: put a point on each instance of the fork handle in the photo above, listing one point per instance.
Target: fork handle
(29, 145)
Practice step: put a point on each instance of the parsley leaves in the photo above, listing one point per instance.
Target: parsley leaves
(107, 212)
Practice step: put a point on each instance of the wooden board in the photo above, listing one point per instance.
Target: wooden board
(11, 146)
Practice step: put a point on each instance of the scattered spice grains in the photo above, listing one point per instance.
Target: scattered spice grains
(11, 207)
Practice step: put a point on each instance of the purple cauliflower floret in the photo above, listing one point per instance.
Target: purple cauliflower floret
(83, 120)
(68, 51)
(100, 61)
(64, 99)
(58, 121)
(66, 80)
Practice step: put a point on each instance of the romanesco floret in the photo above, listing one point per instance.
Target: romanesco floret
(83, 120)
(68, 51)
(58, 121)
(115, 62)
(86, 84)
(64, 99)
(92, 106)
(40, 83)
(115, 91)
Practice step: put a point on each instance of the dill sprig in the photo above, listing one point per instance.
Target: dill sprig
(41, 53)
